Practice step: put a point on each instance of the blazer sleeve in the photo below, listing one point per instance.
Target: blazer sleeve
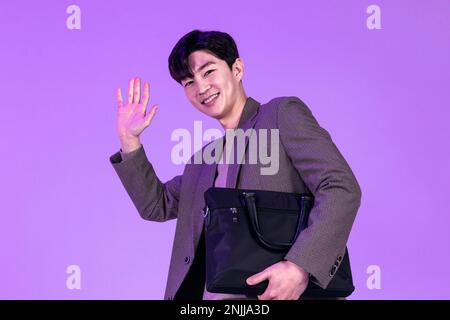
(154, 200)
(328, 176)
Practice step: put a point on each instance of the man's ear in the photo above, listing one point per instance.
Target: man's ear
(238, 68)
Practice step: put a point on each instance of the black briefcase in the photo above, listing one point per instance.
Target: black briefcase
(247, 231)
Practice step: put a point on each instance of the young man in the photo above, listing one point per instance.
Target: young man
(208, 67)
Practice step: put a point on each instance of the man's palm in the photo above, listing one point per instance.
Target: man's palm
(132, 117)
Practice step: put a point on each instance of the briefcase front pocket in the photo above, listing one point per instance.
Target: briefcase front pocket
(254, 231)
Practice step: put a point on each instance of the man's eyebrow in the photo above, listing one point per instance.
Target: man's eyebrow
(202, 67)
(205, 65)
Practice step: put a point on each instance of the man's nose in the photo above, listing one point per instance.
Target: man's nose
(203, 87)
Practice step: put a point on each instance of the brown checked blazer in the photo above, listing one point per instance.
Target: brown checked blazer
(309, 161)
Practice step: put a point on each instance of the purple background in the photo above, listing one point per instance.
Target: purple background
(382, 94)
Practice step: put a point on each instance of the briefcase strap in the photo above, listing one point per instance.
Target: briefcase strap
(250, 203)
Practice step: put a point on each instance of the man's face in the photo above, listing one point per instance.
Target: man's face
(214, 88)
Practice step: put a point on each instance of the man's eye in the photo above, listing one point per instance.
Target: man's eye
(209, 71)
(187, 83)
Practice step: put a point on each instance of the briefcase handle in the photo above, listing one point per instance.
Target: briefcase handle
(250, 203)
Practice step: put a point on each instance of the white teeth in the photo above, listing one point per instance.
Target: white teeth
(210, 98)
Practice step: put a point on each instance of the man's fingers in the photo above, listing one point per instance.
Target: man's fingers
(137, 90)
(268, 294)
(257, 278)
(119, 97)
(260, 277)
(146, 95)
(130, 91)
(264, 296)
(150, 115)
(145, 98)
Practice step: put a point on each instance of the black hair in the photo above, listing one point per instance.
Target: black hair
(219, 44)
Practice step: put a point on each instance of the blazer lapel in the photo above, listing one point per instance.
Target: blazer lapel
(247, 121)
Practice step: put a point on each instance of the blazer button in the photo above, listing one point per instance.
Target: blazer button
(187, 259)
(333, 271)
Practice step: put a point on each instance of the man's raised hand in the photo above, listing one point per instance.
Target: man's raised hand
(132, 117)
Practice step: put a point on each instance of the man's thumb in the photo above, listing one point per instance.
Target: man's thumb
(149, 116)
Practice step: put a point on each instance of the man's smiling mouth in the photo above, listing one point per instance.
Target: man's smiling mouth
(210, 98)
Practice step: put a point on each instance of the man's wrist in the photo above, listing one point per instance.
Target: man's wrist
(129, 144)
(304, 272)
